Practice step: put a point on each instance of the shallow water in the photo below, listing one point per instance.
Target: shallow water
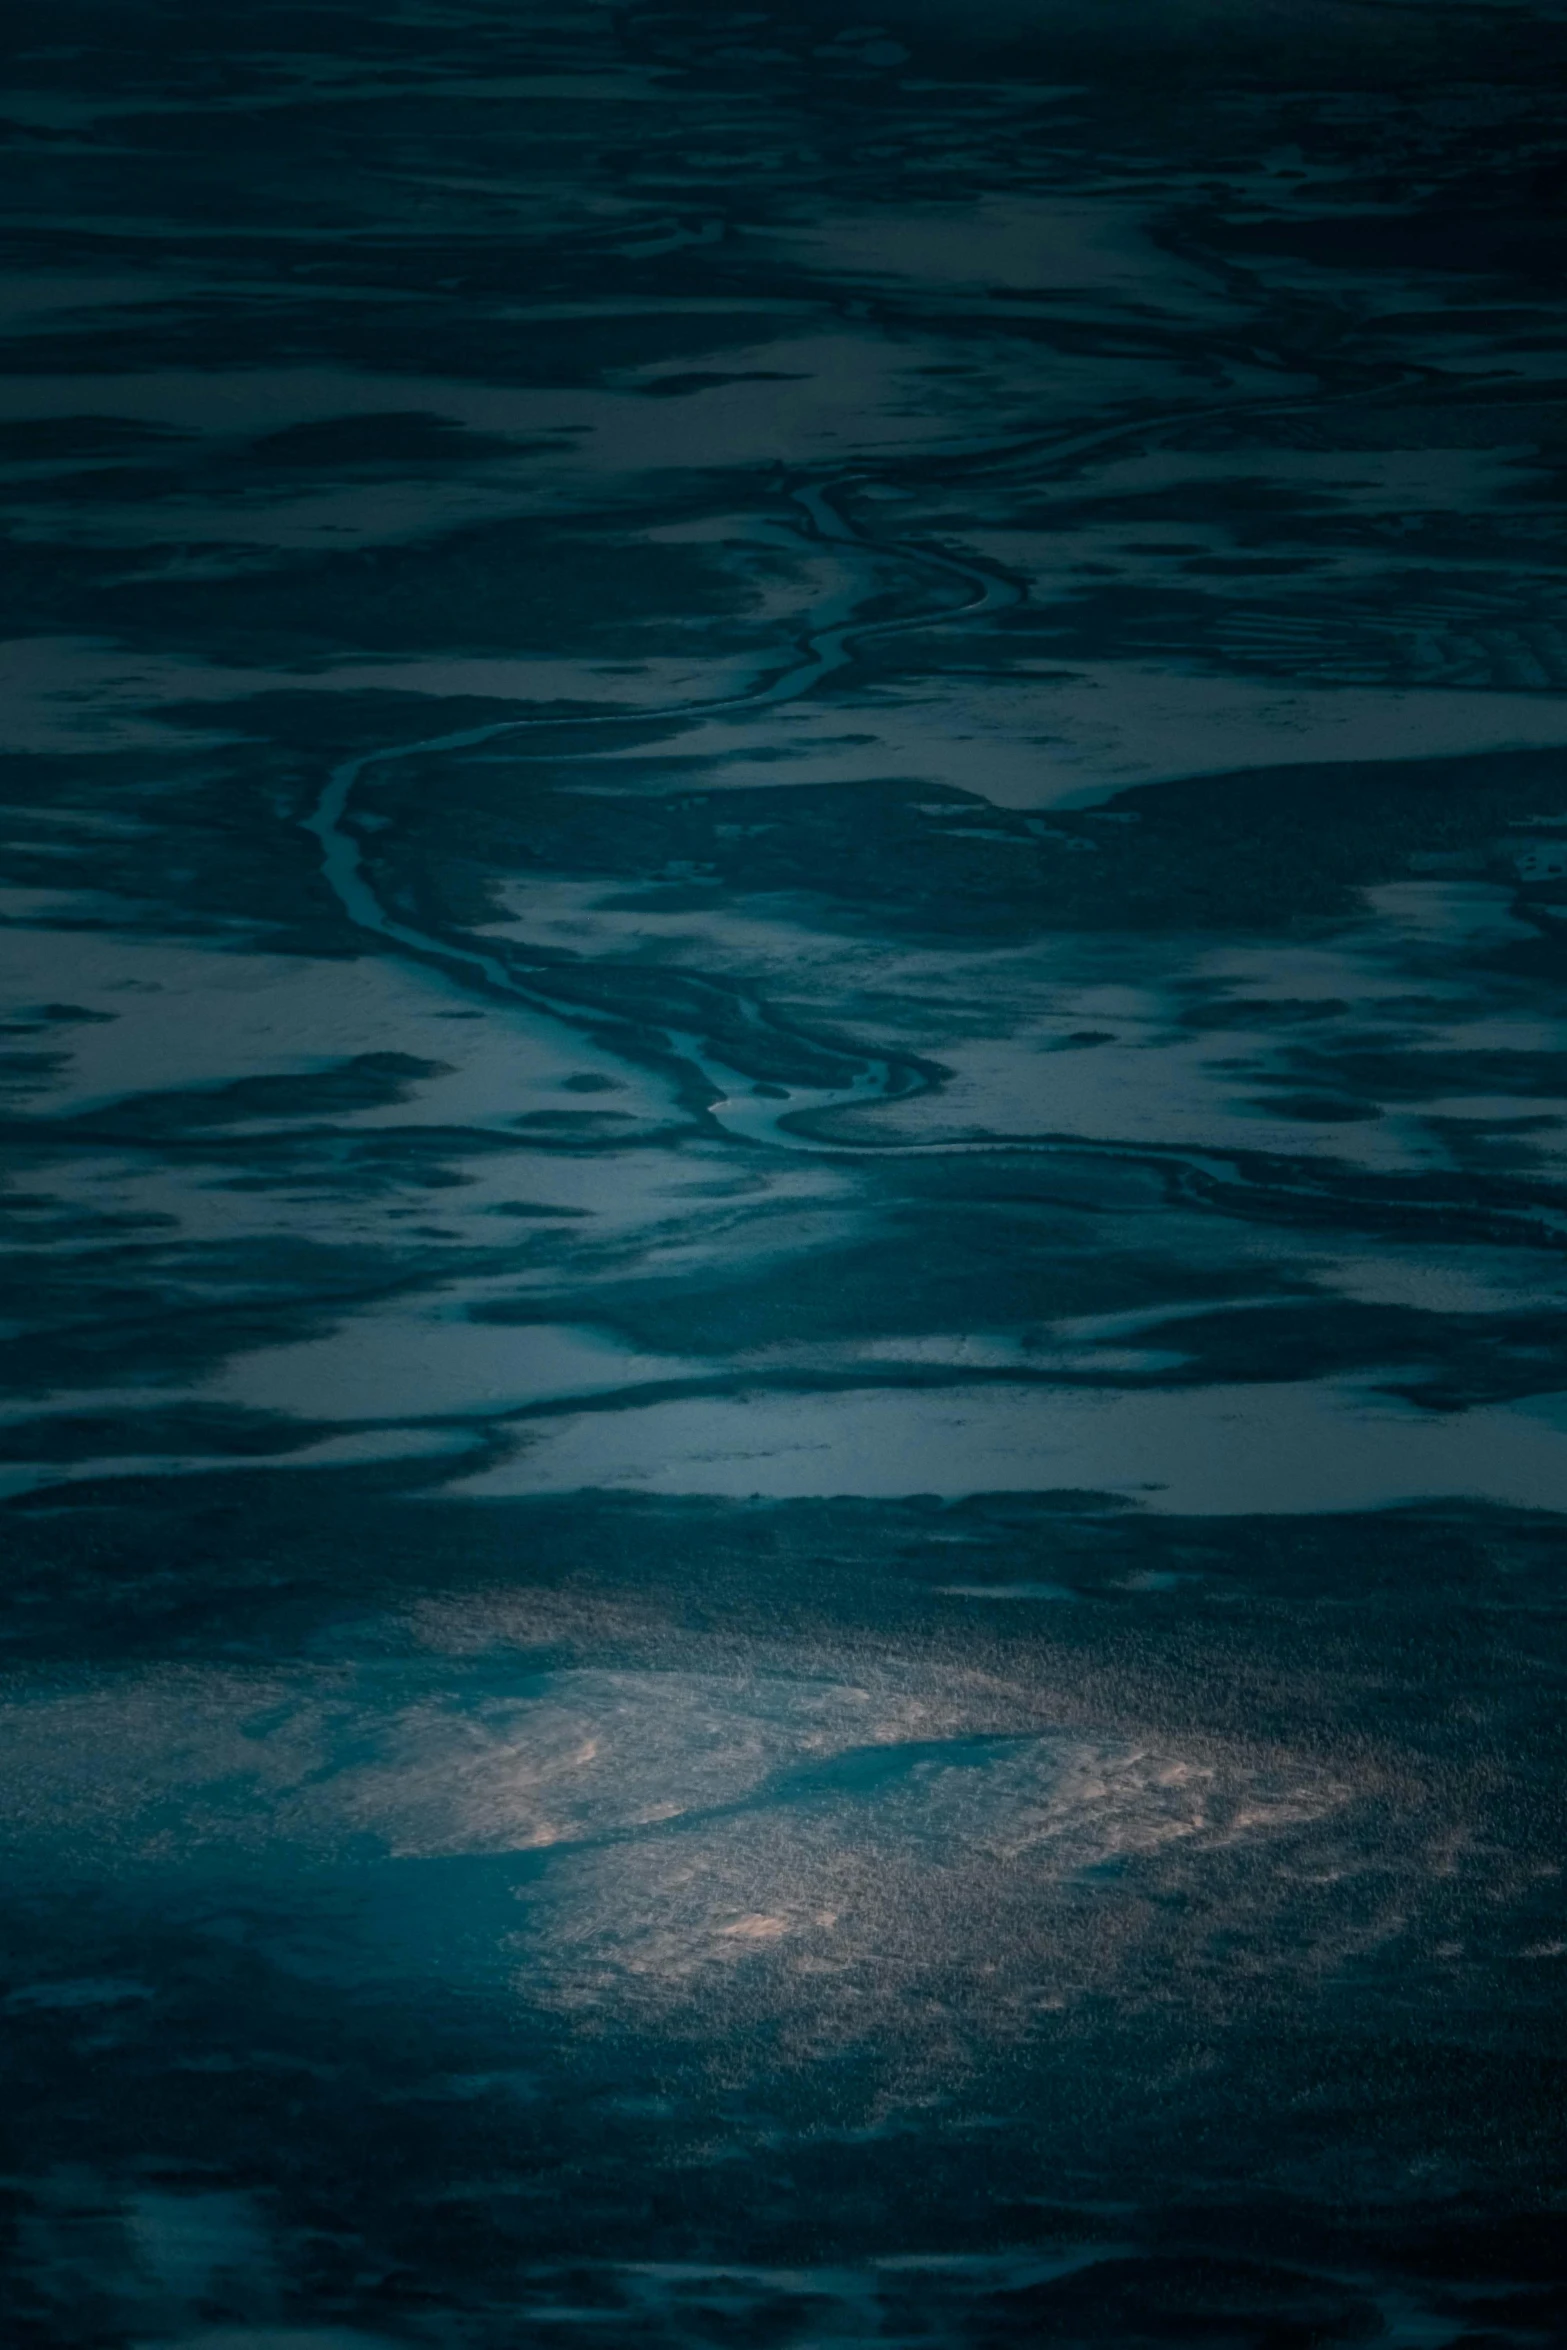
(783, 906)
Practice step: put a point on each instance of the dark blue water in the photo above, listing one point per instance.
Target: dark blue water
(784, 1442)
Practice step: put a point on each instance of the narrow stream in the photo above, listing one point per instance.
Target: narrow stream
(738, 1107)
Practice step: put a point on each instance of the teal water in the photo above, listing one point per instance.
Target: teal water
(783, 907)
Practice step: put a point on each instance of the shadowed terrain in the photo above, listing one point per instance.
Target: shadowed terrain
(783, 922)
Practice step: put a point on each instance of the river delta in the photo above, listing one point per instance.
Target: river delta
(783, 919)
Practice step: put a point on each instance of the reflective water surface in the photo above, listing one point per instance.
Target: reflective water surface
(783, 918)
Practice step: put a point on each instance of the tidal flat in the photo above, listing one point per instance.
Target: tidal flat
(783, 972)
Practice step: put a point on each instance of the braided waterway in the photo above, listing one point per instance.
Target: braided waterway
(828, 642)
(783, 919)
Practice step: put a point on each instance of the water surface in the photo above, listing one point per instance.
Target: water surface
(783, 907)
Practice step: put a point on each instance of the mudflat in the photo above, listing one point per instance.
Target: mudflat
(783, 924)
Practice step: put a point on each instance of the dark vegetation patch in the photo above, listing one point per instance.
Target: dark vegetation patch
(129, 1307)
(31, 439)
(398, 437)
(1264, 850)
(504, 588)
(953, 1265)
(369, 1081)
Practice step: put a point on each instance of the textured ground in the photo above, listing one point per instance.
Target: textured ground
(784, 890)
